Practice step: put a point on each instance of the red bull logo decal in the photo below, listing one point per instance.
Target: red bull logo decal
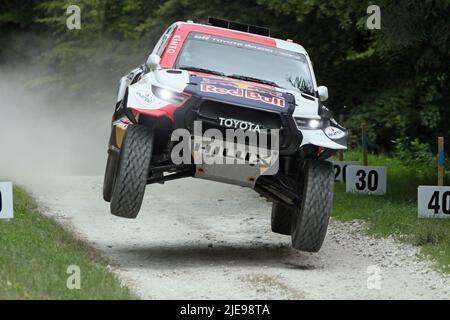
(242, 85)
(243, 93)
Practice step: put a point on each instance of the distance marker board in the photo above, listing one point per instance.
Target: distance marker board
(6, 200)
(340, 168)
(366, 179)
(433, 202)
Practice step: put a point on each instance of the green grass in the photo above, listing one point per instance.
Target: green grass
(396, 212)
(35, 253)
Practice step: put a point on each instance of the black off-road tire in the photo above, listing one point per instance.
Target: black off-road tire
(108, 181)
(132, 172)
(309, 225)
(281, 220)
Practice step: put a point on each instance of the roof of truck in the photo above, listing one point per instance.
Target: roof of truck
(183, 29)
(245, 36)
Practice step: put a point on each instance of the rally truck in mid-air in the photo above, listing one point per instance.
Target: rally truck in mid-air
(224, 101)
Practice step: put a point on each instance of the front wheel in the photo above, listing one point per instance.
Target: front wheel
(132, 172)
(310, 223)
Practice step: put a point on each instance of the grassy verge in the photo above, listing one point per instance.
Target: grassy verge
(396, 212)
(35, 253)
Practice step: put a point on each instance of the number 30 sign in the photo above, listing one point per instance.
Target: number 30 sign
(365, 179)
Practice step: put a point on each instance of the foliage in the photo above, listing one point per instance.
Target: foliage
(395, 78)
(36, 252)
(412, 151)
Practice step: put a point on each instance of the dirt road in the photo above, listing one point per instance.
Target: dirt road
(196, 239)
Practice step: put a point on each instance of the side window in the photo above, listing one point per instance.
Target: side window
(162, 43)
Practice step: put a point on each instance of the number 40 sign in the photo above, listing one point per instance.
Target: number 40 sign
(433, 202)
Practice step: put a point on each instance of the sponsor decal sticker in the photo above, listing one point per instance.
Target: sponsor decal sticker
(147, 97)
(173, 45)
(269, 47)
(334, 133)
(242, 85)
(247, 94)
(239, 124)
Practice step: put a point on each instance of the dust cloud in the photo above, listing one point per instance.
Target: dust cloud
(43, 134)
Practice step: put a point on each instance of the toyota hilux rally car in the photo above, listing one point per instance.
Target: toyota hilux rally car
(227, 76)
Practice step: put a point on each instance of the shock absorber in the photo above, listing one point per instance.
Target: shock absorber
(287, 164)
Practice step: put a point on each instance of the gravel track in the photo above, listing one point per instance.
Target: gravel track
(197, 239)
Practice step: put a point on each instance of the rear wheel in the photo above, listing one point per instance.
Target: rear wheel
(281, 219)
(310, 223)
(132, 172)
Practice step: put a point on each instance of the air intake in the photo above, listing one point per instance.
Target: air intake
(239, 26)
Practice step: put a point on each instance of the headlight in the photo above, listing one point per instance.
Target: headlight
(306, 123)
(169, 95)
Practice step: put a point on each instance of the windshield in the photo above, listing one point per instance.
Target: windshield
(286, 69)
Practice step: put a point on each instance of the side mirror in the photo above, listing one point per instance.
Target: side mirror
(323, 93)
(153, 62)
